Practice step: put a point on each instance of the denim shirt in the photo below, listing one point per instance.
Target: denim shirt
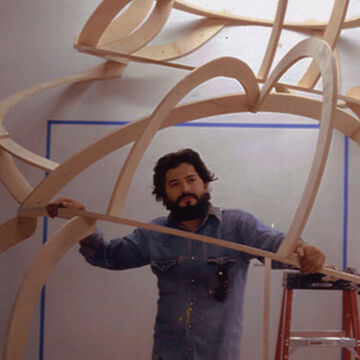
(201, 286)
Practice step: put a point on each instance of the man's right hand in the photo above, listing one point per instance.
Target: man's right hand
(52, 207)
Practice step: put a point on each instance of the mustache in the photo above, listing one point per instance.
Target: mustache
(186, 195)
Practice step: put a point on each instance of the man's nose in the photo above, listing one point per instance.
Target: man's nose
(185, 188)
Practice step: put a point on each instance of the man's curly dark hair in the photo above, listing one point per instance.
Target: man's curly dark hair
(173, 160)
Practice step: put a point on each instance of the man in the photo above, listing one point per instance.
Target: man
(201, 286)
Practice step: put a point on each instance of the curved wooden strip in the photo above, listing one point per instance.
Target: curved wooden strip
(26, 155)
(133, 57)
(331, 36)
(124, 24)
(354, 93)
(274, 40)
(308, 26)
(12, 178)
(16, 230)
(321, 52)
(225, 67)
(117, 56)
(146, 31)
(292, 260)
(35, 278)
(102, 71)
(267, 294)
(203, 32)
(283, 103)
(99, 20)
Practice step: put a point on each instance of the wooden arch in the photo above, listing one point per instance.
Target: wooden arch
(141, 132)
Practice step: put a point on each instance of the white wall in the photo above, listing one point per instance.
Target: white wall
(92, 313)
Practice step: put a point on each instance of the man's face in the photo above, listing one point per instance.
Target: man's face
(184, 186)
(187, 194)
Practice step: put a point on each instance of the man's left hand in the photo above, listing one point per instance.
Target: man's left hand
(310, 257)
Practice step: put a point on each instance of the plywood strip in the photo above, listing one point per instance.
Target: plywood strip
(308, 26)
(26, 155)
(146, 32)
(205, 30)
(102, 71)
(273, 41)
(128, 21)
(292, 260)
(15, 231)
(321, 52)
(355, 94)
(331, 36)
(12, 178)
(99, 21)
(35, 278)
(224, 67)
(267, 293)
(117, 55)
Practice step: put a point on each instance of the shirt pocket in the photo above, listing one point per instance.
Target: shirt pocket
(163, 265)
(221, 261)
(167, 272)
(222, 276)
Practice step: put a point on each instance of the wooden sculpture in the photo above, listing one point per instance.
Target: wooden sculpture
(126, 37)
(142, 132)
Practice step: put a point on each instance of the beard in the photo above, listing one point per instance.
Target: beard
(189, 212)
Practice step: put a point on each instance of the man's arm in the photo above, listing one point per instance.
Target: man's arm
(264, 237)
(118, 254)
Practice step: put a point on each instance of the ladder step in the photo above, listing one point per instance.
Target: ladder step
(297, 341)
(318, 333)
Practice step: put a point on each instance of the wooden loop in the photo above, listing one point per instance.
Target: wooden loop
(10, 175)
(226, 67)
(284, 103)
(39, 271)
(129, 20)
(203, 32)
(99, 21)
(322, 54)
(146, 31)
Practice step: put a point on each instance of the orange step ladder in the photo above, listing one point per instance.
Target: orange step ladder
(348, 338)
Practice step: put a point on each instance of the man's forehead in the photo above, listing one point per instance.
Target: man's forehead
(183, 170)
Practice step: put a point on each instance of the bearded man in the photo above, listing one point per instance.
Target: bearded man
(201, 286)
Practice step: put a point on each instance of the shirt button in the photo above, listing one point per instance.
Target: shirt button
(190, 326)
(190, 348)
(192, 257)
(191, 303)
(192, 280)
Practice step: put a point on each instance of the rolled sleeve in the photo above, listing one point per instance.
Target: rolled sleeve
(121, 253)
